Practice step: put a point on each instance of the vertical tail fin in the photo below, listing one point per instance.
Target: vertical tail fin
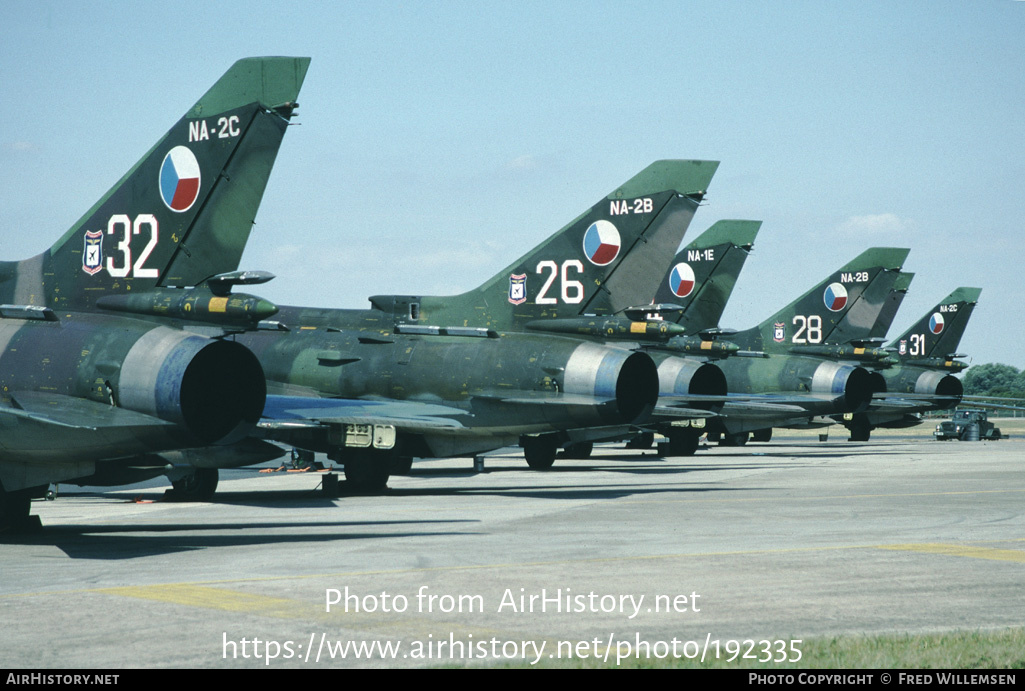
(891, 305)
(703, 274)
(606, 260)
(184, 211)
(937, 334)
(813, 317)
(862, 319)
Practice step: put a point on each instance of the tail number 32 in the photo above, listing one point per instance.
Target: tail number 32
(128, 229)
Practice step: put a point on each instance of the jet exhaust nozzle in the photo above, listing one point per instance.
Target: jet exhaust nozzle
(214, 389)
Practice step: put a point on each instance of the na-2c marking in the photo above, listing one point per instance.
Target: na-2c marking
(226, 128)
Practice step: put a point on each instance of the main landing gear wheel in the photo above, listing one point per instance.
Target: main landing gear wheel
(540, 452)
(578, 451)
(644, 440)
(738, 439)
(683, 442)
(367, 472)
(14, 512)
(401, 465)
(860, 429)
(196, 486)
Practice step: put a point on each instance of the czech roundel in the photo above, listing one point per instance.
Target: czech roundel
(179, 179)
(835, 297)
(681, 280)
(601, 243)
(936, 322)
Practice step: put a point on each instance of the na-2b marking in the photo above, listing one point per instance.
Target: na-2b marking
(620, 207)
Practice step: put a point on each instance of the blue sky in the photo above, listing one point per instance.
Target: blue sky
(441, 140)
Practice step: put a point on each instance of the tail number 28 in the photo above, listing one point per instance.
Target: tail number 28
(809, 329)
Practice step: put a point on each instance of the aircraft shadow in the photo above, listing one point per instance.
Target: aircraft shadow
(135, 540)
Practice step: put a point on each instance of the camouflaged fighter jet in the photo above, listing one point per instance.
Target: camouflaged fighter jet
(424, 376)
(874, 355)
(693, 294)
(918, 375)
(783, 358)
(96, 379)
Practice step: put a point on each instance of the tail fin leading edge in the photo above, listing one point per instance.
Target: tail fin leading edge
(813, 317)
(606, 260)
(938, 333)
(202, 182)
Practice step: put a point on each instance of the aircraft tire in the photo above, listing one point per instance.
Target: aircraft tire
(401, 465)
(860, 430)
(540, 452)
(14, 510)
(365, 472)
(644, 440)
(683, 442)
(578, 451)
(738, 439)
(200, 485)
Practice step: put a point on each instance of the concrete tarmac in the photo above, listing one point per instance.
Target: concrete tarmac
(623, 553)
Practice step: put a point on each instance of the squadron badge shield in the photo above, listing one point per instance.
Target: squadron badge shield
(518, 289)
(779, 332)
(92, 252)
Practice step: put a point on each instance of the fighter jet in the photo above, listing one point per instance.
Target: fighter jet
(918, 375)
(786, 355)
(517, 360)
(692, 295)
(96, 380)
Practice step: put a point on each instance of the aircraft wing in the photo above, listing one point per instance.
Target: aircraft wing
(284, 413)
(48, 437)
(904, 402)
(662, 413)
(78, 413)
(492, 412)
(748, 405)
(42, 424)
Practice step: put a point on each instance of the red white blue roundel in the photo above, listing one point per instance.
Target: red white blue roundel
(179, 179)
(936, 322)
(681, 280)
(835, 297)
(601, 243)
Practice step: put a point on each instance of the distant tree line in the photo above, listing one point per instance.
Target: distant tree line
(994, 379)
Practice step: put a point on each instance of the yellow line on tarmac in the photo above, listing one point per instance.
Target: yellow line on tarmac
(210, 598)
(962, 551)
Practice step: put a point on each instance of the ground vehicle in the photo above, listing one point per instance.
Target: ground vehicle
(967, 425)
